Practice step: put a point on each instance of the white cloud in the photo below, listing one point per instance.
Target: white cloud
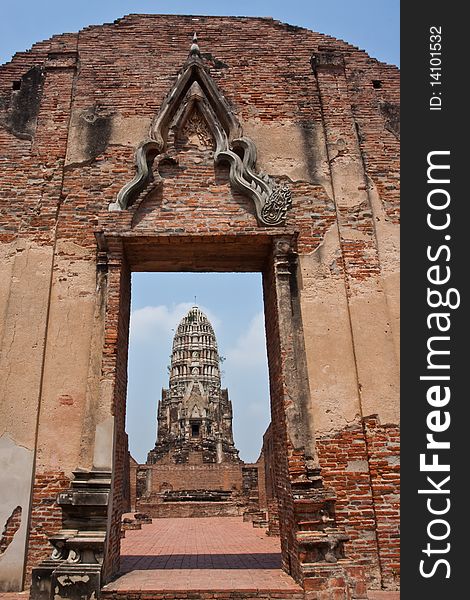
(249, 350)
(149, 321)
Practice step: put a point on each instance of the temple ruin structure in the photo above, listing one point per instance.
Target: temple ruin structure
(252, 146)
(194, 413)
(194, 469)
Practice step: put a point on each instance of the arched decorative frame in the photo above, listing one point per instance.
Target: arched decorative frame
(195, 89)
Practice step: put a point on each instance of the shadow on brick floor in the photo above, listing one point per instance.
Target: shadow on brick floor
(201, 561)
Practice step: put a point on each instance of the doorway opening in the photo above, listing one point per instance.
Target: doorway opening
(291, 464)
(198, 412)
(233, 304)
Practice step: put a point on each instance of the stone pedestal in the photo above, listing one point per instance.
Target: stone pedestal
(325, 573)
(74, 568)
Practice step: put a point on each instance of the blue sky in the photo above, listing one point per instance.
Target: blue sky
(370, 24)
(233, 302)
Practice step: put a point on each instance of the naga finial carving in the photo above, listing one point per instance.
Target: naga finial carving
(194, 50)
(195, 88)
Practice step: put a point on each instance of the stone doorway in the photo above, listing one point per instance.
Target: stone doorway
(198, 395)
(311, 545)
(300, 497)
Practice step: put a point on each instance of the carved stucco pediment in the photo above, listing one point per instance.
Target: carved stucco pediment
(195, 393)
(195, 96)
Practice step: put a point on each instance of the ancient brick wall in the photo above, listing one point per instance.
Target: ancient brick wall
(67, 141)
(383, 444)
(183, 510)
(190, 477)
(242, 482)
(261, 465)
(115, 367)
(133, 467)
(11, 527)
(267, 453)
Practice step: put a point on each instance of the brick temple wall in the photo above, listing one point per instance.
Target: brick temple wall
(362, 464)
(47, 517)
(133, 467)
(243, 481)
(329, 129)
(194, 477)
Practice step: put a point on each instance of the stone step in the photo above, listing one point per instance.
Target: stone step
(158, 510)
(260, 524)
(294, 594)
(197, 496)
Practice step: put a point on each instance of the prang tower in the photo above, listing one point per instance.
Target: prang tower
(195, 414)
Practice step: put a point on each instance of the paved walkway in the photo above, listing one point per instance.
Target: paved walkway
(218, 553)
(201, 554)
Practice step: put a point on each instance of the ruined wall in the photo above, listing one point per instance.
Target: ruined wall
(67, 141)
(356, 415)
(133, 468)
(190, 477)
(243, 486)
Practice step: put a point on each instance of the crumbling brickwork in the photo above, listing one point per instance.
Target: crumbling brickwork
(11, 527)
(322, 117)
(47, 517)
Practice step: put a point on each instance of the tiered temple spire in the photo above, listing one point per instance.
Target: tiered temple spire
(195, 413)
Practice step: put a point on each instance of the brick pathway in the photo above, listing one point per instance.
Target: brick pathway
(201, 554)
(190, 555)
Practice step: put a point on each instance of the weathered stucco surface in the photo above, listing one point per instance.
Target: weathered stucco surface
(123, 131)
(388, 243)
(377, 366)
(328, 342)
(69, 333)
(288, 149)
(25, 274)
(16, 463)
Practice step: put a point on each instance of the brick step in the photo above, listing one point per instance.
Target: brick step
(217, 595)
(294, 594)
(311, 525)
(197, 496)
(260, 524)
(128, 525)
(158, 510)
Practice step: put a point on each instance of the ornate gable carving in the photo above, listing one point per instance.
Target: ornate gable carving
(196, 109)
(196, 132)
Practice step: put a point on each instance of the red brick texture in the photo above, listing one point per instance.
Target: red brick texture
(11, 527)
(207, 595)
(115, 369)
(190, 477)
(361, 463)
(267, 80)
(383, 444)
(133, 466)
(240, 480)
